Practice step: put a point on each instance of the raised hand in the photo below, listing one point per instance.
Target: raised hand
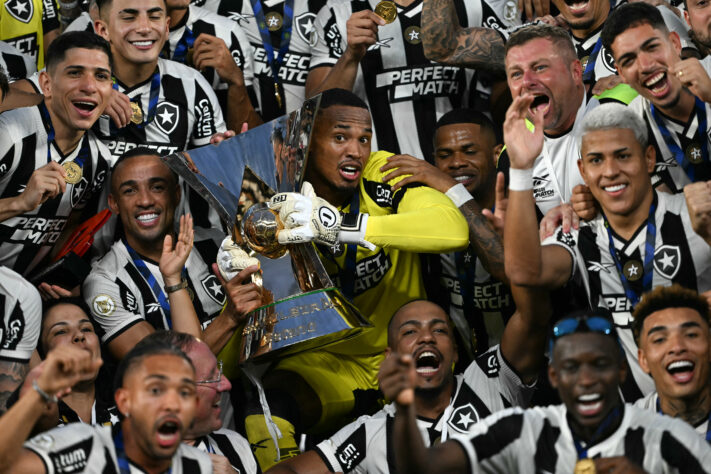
(362, 31)
(421, 171)
(397, 378)
(522, 145)
(497, 218)
(119, 108)
(698, 202)
(45, 183)
(173, 259)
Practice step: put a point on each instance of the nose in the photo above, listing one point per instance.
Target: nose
(170, 400)
(143, 23)
(425, 336)
(529, 79)
(645, 60)
(145, 197)
(78, 337)
(353, 149)
(610, 168)
(457, 161)
(88, 83)
(676, 344)
(224, 385)
(587, 376)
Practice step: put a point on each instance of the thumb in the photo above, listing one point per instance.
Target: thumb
(168, 244)
(308, 190)
(500, 189)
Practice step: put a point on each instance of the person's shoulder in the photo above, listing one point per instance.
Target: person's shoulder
(190, 452)
(203, 14)
(174, 68)
(375, 161)
(14, 285)
(20, 122)
(62, 436)
(111, 262)
(648, 402)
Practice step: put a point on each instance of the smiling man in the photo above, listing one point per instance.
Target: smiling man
(370, 253)
(154, 391)
(592, 431)
(642, 239)
(52, 163)
(446, 404)
(130, 290)
(672, 331)
(673, 93)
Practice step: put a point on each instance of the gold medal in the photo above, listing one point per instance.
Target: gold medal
(584, 466)
(73, 172)
(694, 154)
(633, 270)
(136, 113)
(584, 62)
(386, 10)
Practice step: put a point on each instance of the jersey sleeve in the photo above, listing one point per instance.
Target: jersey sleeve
(22, 306)
(491, 373)
(569, 242)
(331, 40)
(208, 114)
(242, 52)
(425, 220)
(114, 306)
(50, 16)
(69, 448)
(347, 450)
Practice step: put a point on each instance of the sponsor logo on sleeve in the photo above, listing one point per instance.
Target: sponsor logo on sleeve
(489, 364)
(103, 304)
(128, 299)
(352, 451)
(73, 458)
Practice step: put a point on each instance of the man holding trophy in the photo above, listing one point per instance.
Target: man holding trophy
(367, 238)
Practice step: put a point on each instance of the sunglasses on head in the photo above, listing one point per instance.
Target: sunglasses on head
(567, 326)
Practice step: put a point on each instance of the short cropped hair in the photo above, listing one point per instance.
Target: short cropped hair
(611, 116)
(106, 4)
(57, 50)
(345, 97)
(630, 15)
(457, 116)
(557, 35)
(134, 152)
(663, 297)
(145, 348)
(181, 340)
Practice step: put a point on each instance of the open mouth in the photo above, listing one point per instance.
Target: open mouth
(427, 363)
(465, 178)
(148, 219)
(168, 433)
(143, 44)
(84, 107)
(681, 370)
(350, 172)
(577, 7)
(658, 84)
(615, 189)
(540, 103)
(589, 404)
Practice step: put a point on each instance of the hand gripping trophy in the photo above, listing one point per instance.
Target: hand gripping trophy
(241, 178)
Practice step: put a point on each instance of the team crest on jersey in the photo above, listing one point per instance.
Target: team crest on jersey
(463, 418)
(305, 28)
(608, 61)
(43, 440)
(103, 305)
(565, 238)
(167, 116)
(213, 289)
(20, 9)
(412, 35)
(78, 191)
(73, 458)
(667, 259)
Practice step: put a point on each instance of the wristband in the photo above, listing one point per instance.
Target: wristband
(458, 194)
(180, 286)
(45, 396)
(520, 180)
(352, 230)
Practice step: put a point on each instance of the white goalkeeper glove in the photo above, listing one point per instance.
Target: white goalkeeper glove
(307, 218)
(232, 259)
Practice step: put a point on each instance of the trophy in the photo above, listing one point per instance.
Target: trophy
(302, 309)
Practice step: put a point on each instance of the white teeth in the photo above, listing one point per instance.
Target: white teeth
(147, 217)
(462, 178)
(589, 397)
(350, 169)
(427, 354)
(680, 364)
(615, 188)
(142, 43)
(654, 79)
(91, 104)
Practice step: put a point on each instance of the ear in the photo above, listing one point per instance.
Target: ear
(642, 360)
(113, 205)
(576, 69)
(581, 167)
(676, 41)
(686, 17)
(388, 351)
(552, 376)
(497, 151)
(45, 84)
(650, 156)
(102, 29)
(123, 401)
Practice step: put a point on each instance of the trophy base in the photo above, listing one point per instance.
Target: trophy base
(298, 323)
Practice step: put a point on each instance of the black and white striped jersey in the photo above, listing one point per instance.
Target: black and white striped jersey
(231, 445)
(540, 440)
(21, 317)
(79, 447)
(478, 310)
(15, 63)
(650, 403)
(200, 20)
(295, 67)
(27, 238)
(406, 92)
(81, 23)
(119, 296)
(680, 256)
(487, 386)
(102, 413)
(187, 113)
(668, 170)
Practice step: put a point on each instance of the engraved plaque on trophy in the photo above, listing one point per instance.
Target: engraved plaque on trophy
(302, 309)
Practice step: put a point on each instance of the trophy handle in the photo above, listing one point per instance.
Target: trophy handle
(308, 269)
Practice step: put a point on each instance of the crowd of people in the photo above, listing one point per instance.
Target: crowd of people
(515, 196)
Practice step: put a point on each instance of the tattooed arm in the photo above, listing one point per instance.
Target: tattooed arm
(445, 41)
(12, 375)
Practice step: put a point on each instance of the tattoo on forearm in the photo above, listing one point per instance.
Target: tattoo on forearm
(446, 41)
(487, 244)
(12, 374)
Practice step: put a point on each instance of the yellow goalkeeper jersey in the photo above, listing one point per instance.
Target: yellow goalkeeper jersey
(23, 24)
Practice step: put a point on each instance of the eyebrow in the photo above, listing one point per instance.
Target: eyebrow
(348, 127)
(82, 67)
(133, 182)
(614, 152)
(64, 323)
(686, 325)
(634, 53)
(165, 378)
(415, 322)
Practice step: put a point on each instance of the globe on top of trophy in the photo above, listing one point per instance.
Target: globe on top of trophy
(259, 229)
